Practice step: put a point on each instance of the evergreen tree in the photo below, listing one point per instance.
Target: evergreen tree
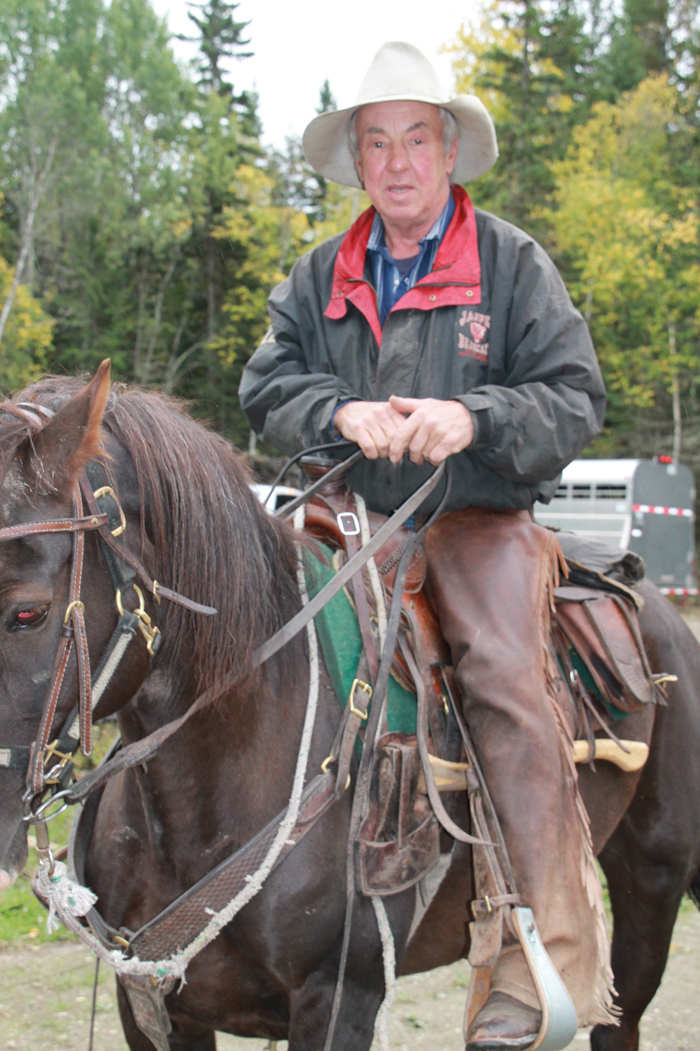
(225, 136)
(327, 104)
(533, 69)
(640, 44)
(219, 38)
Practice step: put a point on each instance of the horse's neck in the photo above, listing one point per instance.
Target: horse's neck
(217, 765)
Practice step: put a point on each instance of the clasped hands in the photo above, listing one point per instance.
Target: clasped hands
(429, 429)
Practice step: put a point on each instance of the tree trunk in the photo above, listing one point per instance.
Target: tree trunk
(19, 270)
(211, 287)
(589, 306)
(157, 315)
(37, 186)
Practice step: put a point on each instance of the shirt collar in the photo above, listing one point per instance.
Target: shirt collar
(377, 239)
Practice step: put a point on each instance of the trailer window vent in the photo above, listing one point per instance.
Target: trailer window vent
(561, 493)
(581, 492)
(611, 492)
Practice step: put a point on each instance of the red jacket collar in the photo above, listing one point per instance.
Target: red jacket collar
(454, 280)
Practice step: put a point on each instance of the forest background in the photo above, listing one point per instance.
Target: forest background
(143, 220)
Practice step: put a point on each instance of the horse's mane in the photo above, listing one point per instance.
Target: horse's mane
(213, 540)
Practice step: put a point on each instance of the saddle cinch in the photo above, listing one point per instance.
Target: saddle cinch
(595, 642)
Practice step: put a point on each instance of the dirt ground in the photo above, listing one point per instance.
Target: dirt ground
(46, 992)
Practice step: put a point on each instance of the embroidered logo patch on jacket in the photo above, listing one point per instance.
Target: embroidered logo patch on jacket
(470, 344)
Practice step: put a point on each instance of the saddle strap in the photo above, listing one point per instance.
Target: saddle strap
(362, 608)
(489, 886)
(354, 715)
(420, 677)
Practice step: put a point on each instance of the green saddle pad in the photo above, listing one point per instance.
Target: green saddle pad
(341, 644)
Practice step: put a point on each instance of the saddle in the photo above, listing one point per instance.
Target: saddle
(595, 640)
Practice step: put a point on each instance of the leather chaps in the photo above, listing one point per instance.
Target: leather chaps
(491, 575)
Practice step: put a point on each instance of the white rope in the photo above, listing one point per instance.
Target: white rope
(388, 949)
(389, 958)
(72, 897)
(59, 889)
(377, 589)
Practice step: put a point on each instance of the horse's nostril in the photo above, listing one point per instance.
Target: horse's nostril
(5, 880)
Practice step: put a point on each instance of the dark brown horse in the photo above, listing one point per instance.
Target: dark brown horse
(218, 781)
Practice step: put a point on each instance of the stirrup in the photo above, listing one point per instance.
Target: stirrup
(559, 1022)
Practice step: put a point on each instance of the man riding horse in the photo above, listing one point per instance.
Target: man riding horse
(432, 329)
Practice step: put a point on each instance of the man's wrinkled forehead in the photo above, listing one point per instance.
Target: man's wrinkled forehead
(382, 118)
(376, 129)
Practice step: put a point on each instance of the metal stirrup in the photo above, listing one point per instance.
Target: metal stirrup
(559, 1021)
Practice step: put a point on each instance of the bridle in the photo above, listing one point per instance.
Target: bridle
(106, 517)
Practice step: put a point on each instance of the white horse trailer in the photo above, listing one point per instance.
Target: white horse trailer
(644, 505)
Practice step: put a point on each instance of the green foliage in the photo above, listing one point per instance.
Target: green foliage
(22, 916)
(531, 66)
(265, 236)
(631, 234)
(143, 221)
(599, 134)
(27, 337)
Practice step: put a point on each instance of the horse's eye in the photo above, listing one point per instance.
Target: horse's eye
(31, 617)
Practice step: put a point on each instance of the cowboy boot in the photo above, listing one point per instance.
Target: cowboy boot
(504, 1024)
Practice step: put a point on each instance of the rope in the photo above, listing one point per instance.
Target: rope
(385, 933)
(68, 900)
(389, 958)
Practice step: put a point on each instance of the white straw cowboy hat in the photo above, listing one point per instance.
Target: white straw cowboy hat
(401, 72)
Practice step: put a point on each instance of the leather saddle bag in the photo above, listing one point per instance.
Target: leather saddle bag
(399, 840)
(603, 630)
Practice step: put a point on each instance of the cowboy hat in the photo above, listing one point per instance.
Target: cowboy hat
(400, 72)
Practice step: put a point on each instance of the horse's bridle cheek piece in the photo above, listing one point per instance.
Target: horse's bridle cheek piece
(110, 522)
(73, 631)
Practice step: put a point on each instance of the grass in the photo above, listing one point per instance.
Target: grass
(22, 916)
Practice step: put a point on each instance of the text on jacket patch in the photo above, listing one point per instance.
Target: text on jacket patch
(470, 344)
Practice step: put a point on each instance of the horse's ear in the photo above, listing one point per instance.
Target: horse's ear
(73, 437)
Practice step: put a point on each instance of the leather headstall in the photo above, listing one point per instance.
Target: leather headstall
(107, 518)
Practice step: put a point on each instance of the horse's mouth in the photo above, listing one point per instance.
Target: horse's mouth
(6, 880)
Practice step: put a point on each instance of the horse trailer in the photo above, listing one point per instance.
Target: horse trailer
(646, 506)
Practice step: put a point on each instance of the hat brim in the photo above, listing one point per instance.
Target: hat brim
(327, 148)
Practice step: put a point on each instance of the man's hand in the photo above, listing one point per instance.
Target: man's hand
(372, 424)
(430, 429)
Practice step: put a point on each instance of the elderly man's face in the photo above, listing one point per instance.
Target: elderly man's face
(402, 162)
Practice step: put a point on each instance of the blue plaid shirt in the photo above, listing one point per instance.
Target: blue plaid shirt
(389, 282)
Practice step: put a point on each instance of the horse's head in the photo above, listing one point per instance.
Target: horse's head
(43, 454)
(191, 523)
